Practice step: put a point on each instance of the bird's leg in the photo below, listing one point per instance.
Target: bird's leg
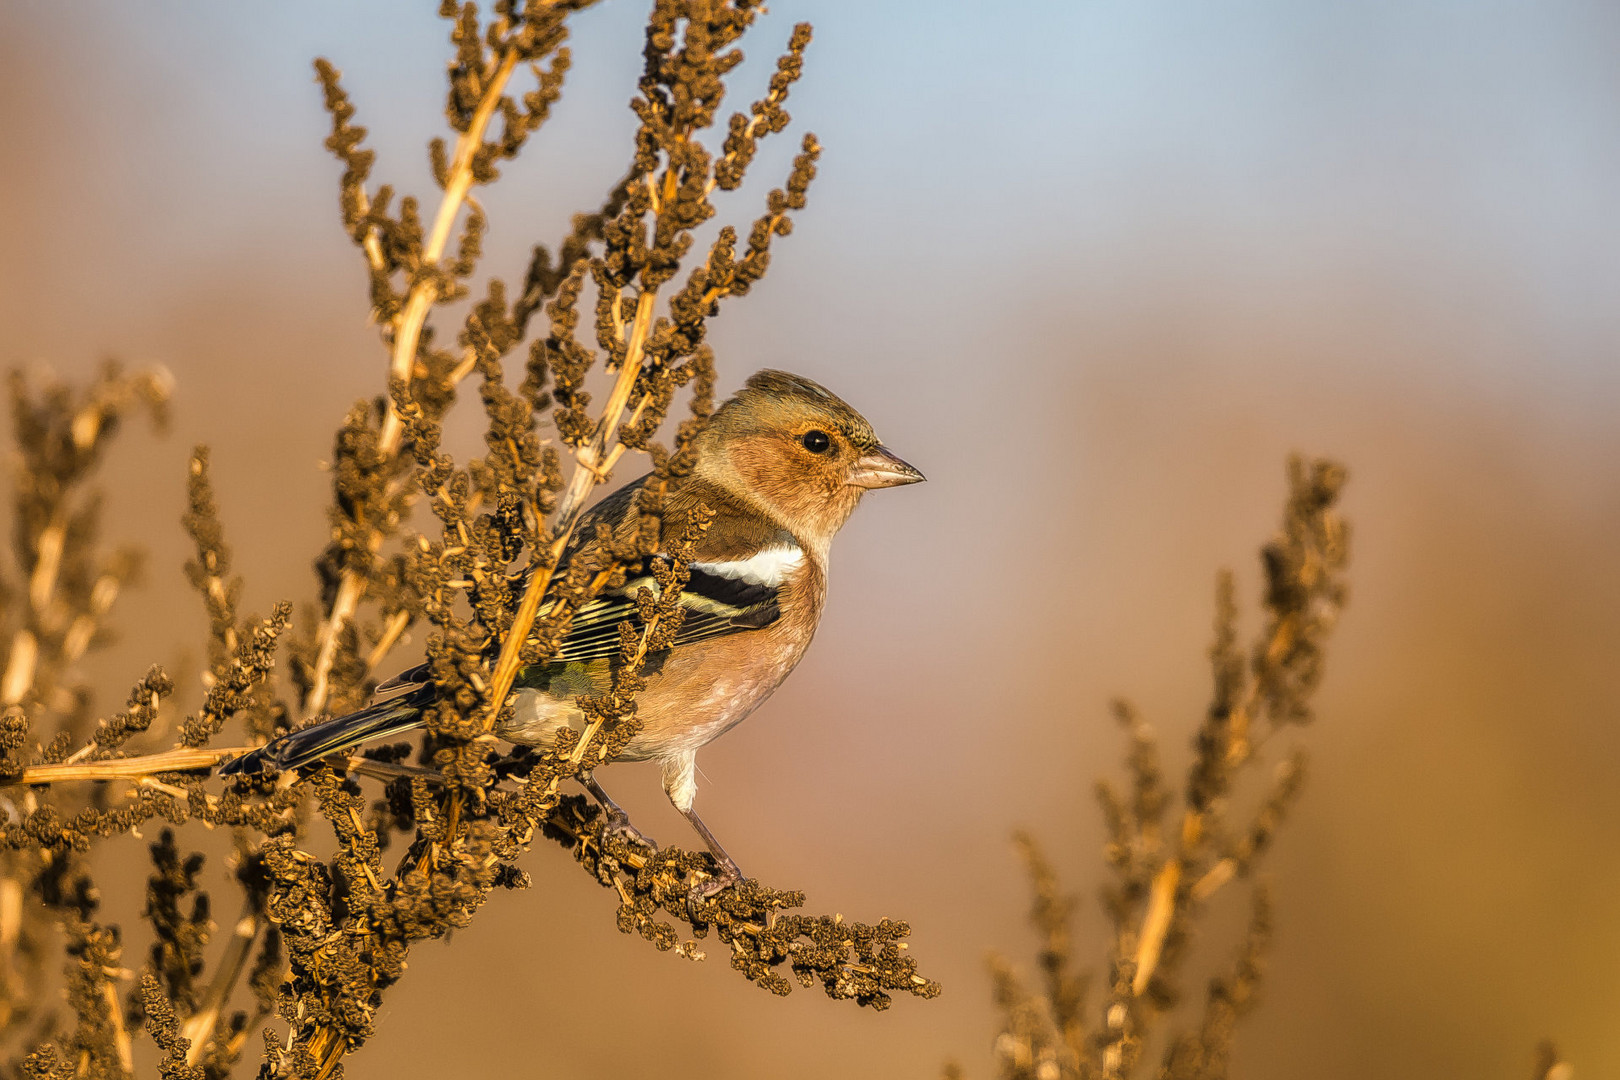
(729, 874)
(680, 784)
(615, 821)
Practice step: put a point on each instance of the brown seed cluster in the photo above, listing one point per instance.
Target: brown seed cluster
(1168, 863)
(338, 871)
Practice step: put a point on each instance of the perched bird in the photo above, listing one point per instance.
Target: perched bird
(780, 466)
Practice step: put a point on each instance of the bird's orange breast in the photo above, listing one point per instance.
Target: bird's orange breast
(707, 687)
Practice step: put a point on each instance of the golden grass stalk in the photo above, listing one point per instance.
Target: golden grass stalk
(407, 334)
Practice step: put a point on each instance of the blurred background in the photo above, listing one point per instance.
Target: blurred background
(1096, 269)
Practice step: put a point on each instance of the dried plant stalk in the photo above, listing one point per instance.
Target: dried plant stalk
(1550, 1065)
(1165, 870)
(319, 940)
(485, 79)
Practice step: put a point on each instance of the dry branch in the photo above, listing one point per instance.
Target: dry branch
(1164, 872)
(496, 575)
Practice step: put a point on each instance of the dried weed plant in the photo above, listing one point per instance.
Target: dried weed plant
(1550, 1065)
(1168, 857)
(317, 940)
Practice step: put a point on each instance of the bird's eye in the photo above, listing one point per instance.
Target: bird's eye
(816, 442)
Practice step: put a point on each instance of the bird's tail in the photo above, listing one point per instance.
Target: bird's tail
(391, 717)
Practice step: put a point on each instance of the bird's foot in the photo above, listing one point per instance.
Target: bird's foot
(728, 876)
(617, 823)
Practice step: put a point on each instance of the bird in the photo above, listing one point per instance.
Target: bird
(780, 466)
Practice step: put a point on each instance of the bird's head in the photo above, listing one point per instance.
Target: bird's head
(798, 452)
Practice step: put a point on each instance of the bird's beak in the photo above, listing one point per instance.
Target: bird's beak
(878, 468)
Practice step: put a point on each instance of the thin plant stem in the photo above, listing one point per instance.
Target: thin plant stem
(407, 335)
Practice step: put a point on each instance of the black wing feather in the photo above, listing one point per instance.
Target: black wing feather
(715, 606)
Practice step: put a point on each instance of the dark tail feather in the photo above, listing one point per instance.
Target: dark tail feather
(410, 677)
(309, 744)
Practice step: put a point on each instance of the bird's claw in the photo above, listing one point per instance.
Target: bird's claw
(618, 824)
(710, 887)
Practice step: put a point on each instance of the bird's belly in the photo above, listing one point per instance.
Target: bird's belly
(682, 710)
(696, 696)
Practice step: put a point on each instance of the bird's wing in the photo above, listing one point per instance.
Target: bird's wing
(716, 603)
(720, 598)
(611, 511)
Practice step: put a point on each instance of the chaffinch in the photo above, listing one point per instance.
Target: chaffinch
(780, 466)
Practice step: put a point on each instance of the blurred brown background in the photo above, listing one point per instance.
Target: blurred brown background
(1095, 269)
